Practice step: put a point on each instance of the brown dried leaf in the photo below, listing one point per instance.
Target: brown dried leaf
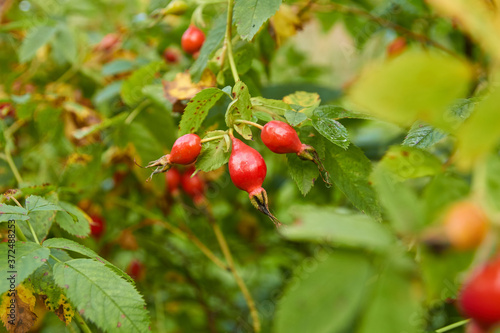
(182, 88)
(17, 311)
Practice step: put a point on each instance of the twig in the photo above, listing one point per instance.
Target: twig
(227, 40)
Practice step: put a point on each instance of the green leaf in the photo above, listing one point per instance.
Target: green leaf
(211, 44)
(101, 296)
(327, 298)
(304, 173)
(240, 108)
(15, 213)
(34, 40)
(35, 203)
(331, 129)
(64, 41)
(294, 117)
(394, 306)
(156, 93)
(409, 162)
(441, 192)
(269, 109)
(308, 101)
(73, 220)
(214, 154)
(117, 66)
(400, 90)
(197, 109)
(28, 257)
(338, 112)
(250, 15)
(325, 224)
(131, 89)
(492, 166)
(69, 245)
(41, 222)
(349, 170)
(422, 135)
(404, 208)
(480, 127)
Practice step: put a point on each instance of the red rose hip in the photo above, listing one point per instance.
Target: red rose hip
(184, 151)
(480, 296)
(173, 180)
(97, 226)
(192, 39)
(194, 186)
(248, 170)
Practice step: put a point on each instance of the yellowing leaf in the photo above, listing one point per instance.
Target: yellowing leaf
(285, 23)
(16, 310)
(182, 88)
(308, 101)
(415, 85)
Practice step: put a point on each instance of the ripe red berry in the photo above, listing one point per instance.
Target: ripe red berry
(480, 296)
(171, 55)
(184, 151)
(248, 170)
(465, 225)
(280, 138)
(192, 39)
(173, 180)
(136, 270)
(473, 327)
(97, 226)
(194, 186)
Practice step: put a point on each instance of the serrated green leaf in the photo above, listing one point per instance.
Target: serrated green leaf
(306, 100)
(211, 44)
(27, 258)
(197, 110)
(41, 222)
(422, 135)
(131, 89)
(34, 40)
(69, 245)
(335, 282)
(269, 109)
(338, 112)
(409, 162)
(65, 43)
(240, 108)
(243, 57)
(35, 203)
(294, 118)
(349, 169)
(331, 129)
(324, 224)
(42, 281)
(250, 15)
(214, 154)
(102, 296)
(304, 173)
(15, 213)
(388, 90)
(73, 220)
(403, 207)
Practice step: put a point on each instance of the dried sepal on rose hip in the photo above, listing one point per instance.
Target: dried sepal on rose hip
(282, 138)
(248, 170)
(185, 150)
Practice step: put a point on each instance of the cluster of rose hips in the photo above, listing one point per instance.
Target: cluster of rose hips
(189, 181)
(247, 168)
